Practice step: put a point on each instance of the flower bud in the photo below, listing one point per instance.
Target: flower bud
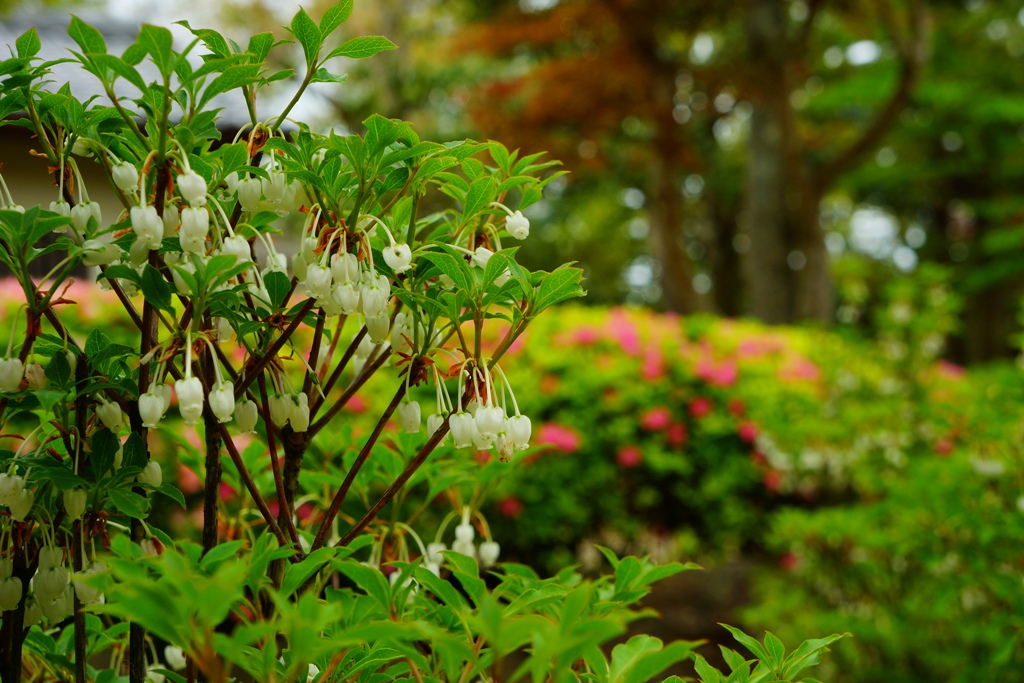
(11, 372)
(36, 376)
(75, 501)
(110, 414)
(192, 187)
(246, 416)
(398, 257)
(175, 657)
(518, 226)
(222, 400)
(481, 256)
(82, 147)
(10, 594)
(151, 474)
(489, 551)
(171, 219)
(190, 399)
(151, 546)
(100, 253)
(462, 425)
(125, 175)
(409, 416)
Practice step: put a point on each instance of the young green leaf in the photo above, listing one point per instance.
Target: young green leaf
(335, 16)
(28, 44)
(361, 48)
(307, 33)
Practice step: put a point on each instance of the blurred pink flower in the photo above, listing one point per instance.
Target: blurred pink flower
(944, 446)
(510, 507)
(629, 456)
(700, 406)
(676, 435)
(950, 370)
(737, 407)
(748, 432)
(561, 438)
(799, 369)
(357, 404)
(188, 481)
(227, 491)
(773, 480)
(656, 419)
(722, 374)
(622, 329)
(586, 336)
(654, 364)
(789, 561)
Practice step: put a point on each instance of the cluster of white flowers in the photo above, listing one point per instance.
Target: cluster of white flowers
(465, 535)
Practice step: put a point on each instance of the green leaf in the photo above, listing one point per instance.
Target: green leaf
(322, 75)
(59, 370)
(219, 554)
(278, 285)
(707, 673)
(748, 642)
(441, 588)
(172, 492)
(213, 41)
(481, 193)
(453, 267)
(28, 44)
(562, 284)
(135, 452)
(307, 33)
(360, 48)
(260, 45)
(233, 77)
(335, 16)
(370, 579)
(88, 38)
(297, 574)
(776, 650)
(156, 289)
(129, 503)
(159, 44)
(121, 68)
(467, 572)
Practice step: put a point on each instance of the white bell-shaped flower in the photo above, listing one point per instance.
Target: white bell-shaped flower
(49, 584)
(462, 426)
(345, 267)
(190, 399)
(151, 408)
(21, 504)
(318, 281)
(148, 225)
(84, 589)
(464, 548)
(434, 551)
(274, 186)
(125, 176)
(55, 609)
(195, 226)
(175, 657)
(192, 187)
(237, 246)
(110, 414)
(375, 292)
(346, 295)
(281, 409)
(489, 551)
(33, 615)
(151, 474)
(250, 192)
(519, 429)
(377, 327)
(11, 372)
(518, 226)
(64, 209)
(481, 441)
(490, 419)
(481, 256)
(6, 567)
(10, 487)
(300, 412)
(465, 532)
(222, 400)
(10, 594)
(50, 556)
(81, 213)
(398, 257)
(74, 502)
(434, 422)
(246, 416)
(409, 416)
